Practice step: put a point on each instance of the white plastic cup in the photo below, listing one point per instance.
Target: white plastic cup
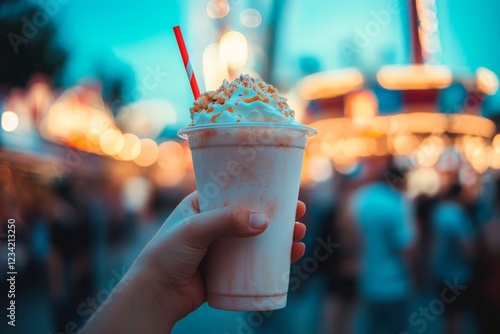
(258, 166)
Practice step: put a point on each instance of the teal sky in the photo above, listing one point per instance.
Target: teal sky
(128, 38)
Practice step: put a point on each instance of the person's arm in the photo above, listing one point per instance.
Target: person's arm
(165, 283)
(133, 307)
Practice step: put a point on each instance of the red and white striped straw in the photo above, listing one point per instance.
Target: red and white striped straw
(187, 63)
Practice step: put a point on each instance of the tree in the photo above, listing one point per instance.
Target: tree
(28, 43)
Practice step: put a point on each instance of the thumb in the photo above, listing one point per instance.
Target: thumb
(202, 229)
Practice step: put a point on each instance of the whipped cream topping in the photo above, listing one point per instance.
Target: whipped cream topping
(246, 99)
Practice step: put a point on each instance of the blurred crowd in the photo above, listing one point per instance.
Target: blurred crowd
(423, 264)
(388, 263)
(76, 236)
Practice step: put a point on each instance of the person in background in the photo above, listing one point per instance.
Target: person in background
(424, 205)
(478, 199)
(165, 282)
(342, 296)
(452, 254)
(384, 217)
(63, 254)
(489, 282)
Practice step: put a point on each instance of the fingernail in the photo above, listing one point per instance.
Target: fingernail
(257, 220)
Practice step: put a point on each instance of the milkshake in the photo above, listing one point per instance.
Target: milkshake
(247, 150)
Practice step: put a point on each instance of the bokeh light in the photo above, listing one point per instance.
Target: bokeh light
(111, 141)
(250, 18)
(131, 147)
(320, 169)
(414, 77)
(234, 49)
(9, 121)
(472, 145)
(495, 159)
(404, 144)
(428, 152)
(345, 166)
(423, 181)
(217, 9)
(487, 81)
(215, 68)
(169, 179)
(480, 159)
(331, 146)
(136, 191)
(496, 143)
(149, 153)
(358, 147)
(170, 155)
(361, 105)
(146, 118)
(329, 84)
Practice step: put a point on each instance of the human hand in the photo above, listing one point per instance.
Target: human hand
(172, 260)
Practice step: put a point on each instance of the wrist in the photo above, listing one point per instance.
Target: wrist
(135, 297)
(158, 296)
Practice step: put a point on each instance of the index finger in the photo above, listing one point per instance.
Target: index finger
(301, 209)
(188, 207)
